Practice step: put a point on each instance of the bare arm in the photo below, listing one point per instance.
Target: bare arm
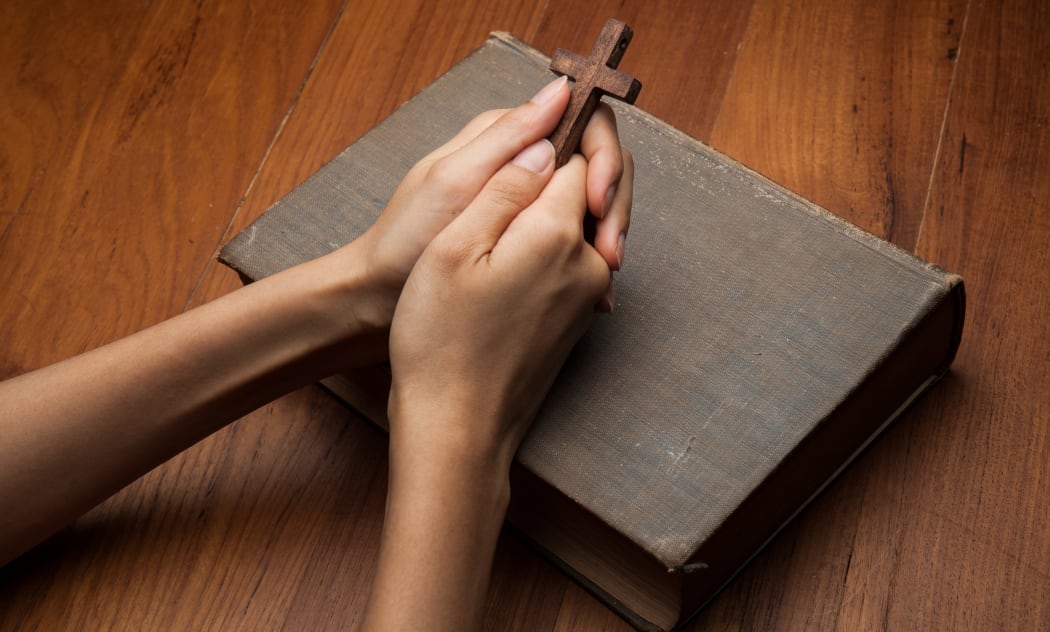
(73, 433)
(485, 321)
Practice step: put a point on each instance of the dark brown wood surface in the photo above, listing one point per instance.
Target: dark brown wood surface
(134, 138)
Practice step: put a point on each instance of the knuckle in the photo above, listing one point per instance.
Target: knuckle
(517, 121)
(447, 182)
(628, 162)
(511, 191)
(558, 233)
(448, 253)
(568, 234)
(597, 277)
(601, 276)
(481, 122)
(487, 118)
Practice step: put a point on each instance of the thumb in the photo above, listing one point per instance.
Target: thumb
(508, 192)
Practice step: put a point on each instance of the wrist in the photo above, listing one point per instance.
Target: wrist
(353, 309)
(384, 280)
(433, 478)
(459, 445)
(454, 425)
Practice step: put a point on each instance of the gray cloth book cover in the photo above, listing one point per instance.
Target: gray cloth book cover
(758, 342)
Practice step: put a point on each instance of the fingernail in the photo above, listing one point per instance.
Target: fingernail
(549, 90)
(620, 244)
(536, 156)
(610, 296)
(607, 202)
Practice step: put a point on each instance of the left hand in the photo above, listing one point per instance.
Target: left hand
(443, 183)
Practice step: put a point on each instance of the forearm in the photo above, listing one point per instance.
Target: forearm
(74, 433)
(445, 508)
(485, 320)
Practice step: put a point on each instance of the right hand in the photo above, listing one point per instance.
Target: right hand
(491, 311)
(442, 184)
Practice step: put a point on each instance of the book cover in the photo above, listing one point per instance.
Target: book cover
(759, 343)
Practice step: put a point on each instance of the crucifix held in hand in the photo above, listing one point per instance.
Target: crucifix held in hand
(594, 76)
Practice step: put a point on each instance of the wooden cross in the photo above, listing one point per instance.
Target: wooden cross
(594, 76)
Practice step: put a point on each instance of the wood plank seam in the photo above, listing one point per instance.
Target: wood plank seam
(732, 66)
(265, 157)
(937, 154)
(25, 198)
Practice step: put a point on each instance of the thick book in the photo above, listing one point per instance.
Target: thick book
(759, 343)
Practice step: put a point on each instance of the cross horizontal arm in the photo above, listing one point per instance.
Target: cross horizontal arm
(594, 76)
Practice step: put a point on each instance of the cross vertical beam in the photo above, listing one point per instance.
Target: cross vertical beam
(594, 76)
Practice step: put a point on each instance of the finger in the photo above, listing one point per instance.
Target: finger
(563, 202)
(555, 223)
(478, 124)
(513, 188)
(600, 145)
(476, 160)
(610, 235)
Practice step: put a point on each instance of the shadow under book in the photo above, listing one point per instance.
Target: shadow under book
(759, 343)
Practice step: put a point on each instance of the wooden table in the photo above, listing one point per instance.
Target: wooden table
(135, 138)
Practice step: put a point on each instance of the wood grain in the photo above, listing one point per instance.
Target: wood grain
(378, 56)
(134, 136)
(983, 529)
(687, 51)
(919, 534)
(37, 115)
(141, 127)
(853, 122)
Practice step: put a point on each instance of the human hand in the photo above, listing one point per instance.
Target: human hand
(493, 308)
(443, 183)
(485, 320)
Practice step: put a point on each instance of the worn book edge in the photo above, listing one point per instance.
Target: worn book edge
(640, 587)
(659, 126)
(361, 389)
